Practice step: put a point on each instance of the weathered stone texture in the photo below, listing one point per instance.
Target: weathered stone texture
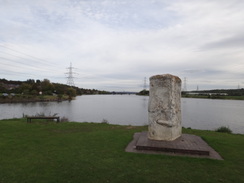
(164, 109)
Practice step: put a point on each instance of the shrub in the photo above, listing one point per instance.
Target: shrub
(223, 129)
(104, 121)
(64, 119)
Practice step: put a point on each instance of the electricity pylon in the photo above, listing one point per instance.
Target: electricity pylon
(70, 77)
(145, 84)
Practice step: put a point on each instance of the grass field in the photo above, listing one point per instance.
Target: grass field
(51, 152)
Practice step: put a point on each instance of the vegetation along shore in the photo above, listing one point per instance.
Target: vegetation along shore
(44, 151)
(37, 90)
(230, 94)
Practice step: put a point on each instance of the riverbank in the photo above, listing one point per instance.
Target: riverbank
(90, 152)
(222, 97)
(33, 98)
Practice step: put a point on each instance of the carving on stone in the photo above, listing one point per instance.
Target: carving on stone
(164, 123)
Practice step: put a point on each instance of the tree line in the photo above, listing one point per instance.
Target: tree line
(44, 87)
(229, 92)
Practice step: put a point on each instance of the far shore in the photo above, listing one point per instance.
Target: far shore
(29, 98)
(222, 97)
(227, 97)
(50, 98)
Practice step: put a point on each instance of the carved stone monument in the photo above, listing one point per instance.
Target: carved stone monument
(164, 108)
(164, 131)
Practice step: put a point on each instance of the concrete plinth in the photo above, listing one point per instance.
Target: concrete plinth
(164, 108)
(185, 145)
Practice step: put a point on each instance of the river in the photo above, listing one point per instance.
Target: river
(206, 114)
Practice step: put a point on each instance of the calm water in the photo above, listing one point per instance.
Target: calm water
(132, 110)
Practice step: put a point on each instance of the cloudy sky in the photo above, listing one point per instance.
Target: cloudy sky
(114, 44)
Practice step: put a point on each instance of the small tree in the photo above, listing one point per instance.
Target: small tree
(143, 92)
(25, 88)
(47, 87)
(71, 92)
(223, 129)
(34, 92)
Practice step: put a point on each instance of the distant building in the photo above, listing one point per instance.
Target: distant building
(10, 86)
(195, 93)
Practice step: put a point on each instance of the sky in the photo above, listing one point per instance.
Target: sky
(114, 45)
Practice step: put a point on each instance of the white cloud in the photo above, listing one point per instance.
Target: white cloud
(115, 44)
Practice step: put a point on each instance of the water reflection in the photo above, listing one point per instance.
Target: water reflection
(132, 110)
(211, 114)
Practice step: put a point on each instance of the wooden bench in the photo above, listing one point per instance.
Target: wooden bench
(42, 117)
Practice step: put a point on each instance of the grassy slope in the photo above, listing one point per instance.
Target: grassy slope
(86, 152)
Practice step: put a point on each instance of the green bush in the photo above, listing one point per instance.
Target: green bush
(223, 129)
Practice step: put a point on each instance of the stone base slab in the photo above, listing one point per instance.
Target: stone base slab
(186, 145)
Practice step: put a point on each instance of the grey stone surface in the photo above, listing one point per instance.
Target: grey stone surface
(164, 108)
(186, 145)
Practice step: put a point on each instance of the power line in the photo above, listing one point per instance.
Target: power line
(32, 57)
(17, 56)
(16, 59)
(22, 64)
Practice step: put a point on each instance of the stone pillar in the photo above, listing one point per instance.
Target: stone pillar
(164, 108)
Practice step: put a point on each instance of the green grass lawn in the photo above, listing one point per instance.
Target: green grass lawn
(51, 152)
